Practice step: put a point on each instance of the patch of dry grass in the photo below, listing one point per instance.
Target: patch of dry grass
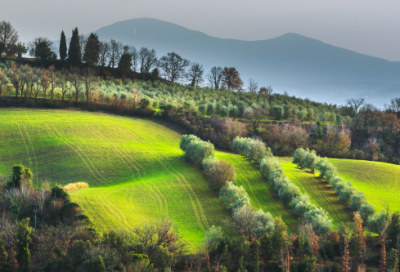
(75, 186)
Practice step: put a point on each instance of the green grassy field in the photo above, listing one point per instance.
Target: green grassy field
(134, 167)
(379, 181)
(317, 189)
(138, 174)
(249, 176)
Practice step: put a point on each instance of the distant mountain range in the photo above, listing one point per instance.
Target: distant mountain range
(302, 66)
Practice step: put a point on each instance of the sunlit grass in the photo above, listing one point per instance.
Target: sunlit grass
(134, 167)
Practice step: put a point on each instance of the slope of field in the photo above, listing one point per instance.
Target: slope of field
(379, 181)
(134, 167)
(318, 190)
(249, 176)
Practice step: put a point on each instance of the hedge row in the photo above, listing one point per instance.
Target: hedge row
(348, 195)
(288, 193)
(234, 198)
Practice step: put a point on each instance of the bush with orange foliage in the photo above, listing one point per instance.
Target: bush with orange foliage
(75, 186)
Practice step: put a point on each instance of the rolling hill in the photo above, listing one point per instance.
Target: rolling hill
(302, 66)
(134, 167)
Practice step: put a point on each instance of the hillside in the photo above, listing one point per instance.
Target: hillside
(249, 176)
(379, 181)
(318, 190)
(302, 66)
(134, 167)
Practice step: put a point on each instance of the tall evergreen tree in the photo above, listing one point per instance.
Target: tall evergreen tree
(74, 52)
(92, 50)
(63, 47)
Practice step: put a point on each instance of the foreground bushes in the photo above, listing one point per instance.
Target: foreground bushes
(348, 195)
(288, 193)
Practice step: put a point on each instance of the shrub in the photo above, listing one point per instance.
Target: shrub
(202, 109)
(75, 186)
(233, 197)
(253, 149)
(300, 205)
(319, 220)
(310, 160)
(299, 157)
(197, 150)
(347, 192)
(210, 108)
(377, 222)
(213, 236)
(58, 192)
(223, 111)
(185, 141)
(288, 192)
(268, 164)
(367, 210)
(233, 111)
(277, 112)
(208, 163)
(221, 173)
(251, 224)
(356, 200)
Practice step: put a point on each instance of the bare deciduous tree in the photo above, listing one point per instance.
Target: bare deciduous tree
(104, 54)
(135, 57)
(147, 59)
(157, 236)
(116, 50)
(253, 86)
(195, 74)
(215, 77)
(174, 66)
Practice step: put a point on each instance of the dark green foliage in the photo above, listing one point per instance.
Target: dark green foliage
(277, 112)
(92, 50)
(24, 240)
(125, 63)
(77, 251)
(95, 264)
(254, 257)
(242, 265)
(20, 173)
(116, 241)
(155, 74)
(328, 250)
(336, 267)
(138, 258)
(393, 231)
(392, 262)
(3, 254)
(74, 51)
(42, 50)
(59, 262)
(58, 192)
(226, 257)
(63, 46)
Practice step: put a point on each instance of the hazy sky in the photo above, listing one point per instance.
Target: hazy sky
(366, 26)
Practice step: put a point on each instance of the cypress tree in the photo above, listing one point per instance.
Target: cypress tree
(63, 47)
(24, 240)
(92, 50)
(74, 52)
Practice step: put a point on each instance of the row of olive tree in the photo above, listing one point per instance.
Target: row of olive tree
(288, 193)
(252, 224)
(348, 195)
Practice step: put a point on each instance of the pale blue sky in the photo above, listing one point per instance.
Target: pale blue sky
(366, 26)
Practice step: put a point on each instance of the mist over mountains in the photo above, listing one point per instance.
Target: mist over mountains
(302, 66)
